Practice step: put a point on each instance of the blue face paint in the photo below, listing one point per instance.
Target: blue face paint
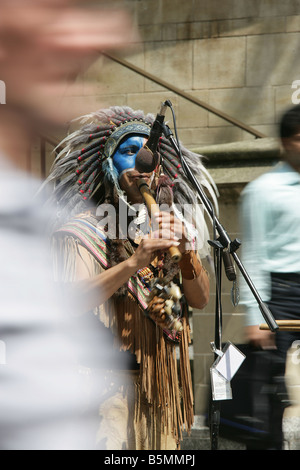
(125, 155)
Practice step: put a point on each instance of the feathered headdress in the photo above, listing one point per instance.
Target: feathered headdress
(85, 163)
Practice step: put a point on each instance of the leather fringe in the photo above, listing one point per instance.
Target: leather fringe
(166, 385)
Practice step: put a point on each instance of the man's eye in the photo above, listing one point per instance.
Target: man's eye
(130, 150)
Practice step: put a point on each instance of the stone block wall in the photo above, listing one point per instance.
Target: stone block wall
(238, 56)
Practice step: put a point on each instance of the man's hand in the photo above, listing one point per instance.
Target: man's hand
(263, 339)
(167, 225)
(149, 248)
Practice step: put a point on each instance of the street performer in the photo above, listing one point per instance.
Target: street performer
(115, 257)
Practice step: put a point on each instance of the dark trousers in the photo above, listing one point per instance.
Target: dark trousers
(284, 305)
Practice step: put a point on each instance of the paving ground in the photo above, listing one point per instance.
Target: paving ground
(200, 436)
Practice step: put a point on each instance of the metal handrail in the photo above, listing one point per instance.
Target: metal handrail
(185, 95)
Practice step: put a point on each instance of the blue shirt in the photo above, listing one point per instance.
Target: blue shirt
(270, 218)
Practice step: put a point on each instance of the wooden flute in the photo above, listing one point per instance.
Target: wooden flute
(153, 206)
(284, 325)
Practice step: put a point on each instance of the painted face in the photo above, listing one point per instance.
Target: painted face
(125, 155)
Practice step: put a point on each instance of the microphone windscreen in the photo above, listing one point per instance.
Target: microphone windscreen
(146, 161)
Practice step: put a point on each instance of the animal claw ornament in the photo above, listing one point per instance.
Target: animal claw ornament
(164, 306)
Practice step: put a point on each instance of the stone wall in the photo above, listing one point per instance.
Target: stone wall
(238, 56)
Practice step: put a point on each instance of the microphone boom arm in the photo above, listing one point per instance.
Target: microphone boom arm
(157, 129)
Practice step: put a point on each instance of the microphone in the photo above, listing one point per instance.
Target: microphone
(147, 158)
(229, 267)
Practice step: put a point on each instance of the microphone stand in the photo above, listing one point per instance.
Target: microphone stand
(223, 242)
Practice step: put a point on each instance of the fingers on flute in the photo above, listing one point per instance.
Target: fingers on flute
(154, 245)
(166, 234)
(168, 226)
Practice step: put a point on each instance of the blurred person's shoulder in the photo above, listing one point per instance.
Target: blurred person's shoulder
(266, 181)
(17, 188)
(22, 206)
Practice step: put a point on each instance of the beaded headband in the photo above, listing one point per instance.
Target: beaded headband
(129, 128)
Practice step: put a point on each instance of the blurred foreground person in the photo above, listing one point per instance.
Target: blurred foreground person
(42, 400)
(45, 45)
(271, 254)
(116, 260)
(39, 403)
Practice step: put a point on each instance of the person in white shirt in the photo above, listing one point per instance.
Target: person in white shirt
(270, 219)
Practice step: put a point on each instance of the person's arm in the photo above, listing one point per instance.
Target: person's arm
(253, 216)
(90, 292)
(195, 280)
